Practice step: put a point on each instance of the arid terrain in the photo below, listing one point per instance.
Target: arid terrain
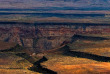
(54, 36)
(63, 48)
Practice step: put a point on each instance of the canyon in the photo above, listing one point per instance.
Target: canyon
(38, 37)
(54, 36)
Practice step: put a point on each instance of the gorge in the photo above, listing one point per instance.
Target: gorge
(38, 37)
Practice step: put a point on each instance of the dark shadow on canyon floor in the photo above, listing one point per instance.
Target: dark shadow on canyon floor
(67, 52)
(36, 65)
(38, 68)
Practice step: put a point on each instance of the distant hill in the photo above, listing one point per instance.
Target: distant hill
(33, 4)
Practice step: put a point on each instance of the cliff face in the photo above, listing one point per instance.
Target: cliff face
(39, 38)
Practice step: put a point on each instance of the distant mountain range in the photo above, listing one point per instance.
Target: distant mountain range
(33, 4)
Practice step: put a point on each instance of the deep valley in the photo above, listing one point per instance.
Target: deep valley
(38, 44)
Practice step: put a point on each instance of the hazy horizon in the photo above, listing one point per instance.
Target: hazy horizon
(56, 4)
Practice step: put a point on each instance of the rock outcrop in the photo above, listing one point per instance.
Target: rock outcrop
(39, 38)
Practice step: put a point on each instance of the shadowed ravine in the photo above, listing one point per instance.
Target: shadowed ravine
(88, 56)
(37, 65)
(84, 55)
(38, 68)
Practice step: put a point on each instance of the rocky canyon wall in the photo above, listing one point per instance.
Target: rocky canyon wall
(45, 37)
